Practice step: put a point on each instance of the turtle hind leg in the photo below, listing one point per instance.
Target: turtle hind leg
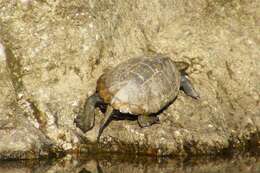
(86, 119)
(108, 118)
(187, 87)
(146, 120)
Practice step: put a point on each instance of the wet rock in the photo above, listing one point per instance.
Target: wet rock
(125, 164)
(56, 50)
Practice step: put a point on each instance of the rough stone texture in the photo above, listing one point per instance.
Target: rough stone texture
(19, 139)
(56, 50)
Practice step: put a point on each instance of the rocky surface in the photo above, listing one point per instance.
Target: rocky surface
(56, 50)
(19, 139)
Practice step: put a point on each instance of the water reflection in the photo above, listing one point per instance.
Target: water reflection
(125, 164)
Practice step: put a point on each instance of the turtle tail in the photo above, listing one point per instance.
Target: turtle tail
(187, 87)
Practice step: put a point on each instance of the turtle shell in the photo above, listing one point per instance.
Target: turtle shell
(141, 85)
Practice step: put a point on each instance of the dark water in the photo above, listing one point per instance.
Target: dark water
(126, 164)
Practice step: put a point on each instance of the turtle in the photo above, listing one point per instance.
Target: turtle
(141, 86)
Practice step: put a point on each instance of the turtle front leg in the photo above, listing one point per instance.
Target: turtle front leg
(146, 120)
(108, 118)
(86, 119)
(187, 87)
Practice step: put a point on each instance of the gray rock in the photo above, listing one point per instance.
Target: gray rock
(55, 51)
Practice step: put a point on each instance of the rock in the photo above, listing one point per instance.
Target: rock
(19, 140)
(55, 51)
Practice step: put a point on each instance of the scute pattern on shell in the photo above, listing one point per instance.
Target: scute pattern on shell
(141, 85)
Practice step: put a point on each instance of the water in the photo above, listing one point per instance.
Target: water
(127, 164)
